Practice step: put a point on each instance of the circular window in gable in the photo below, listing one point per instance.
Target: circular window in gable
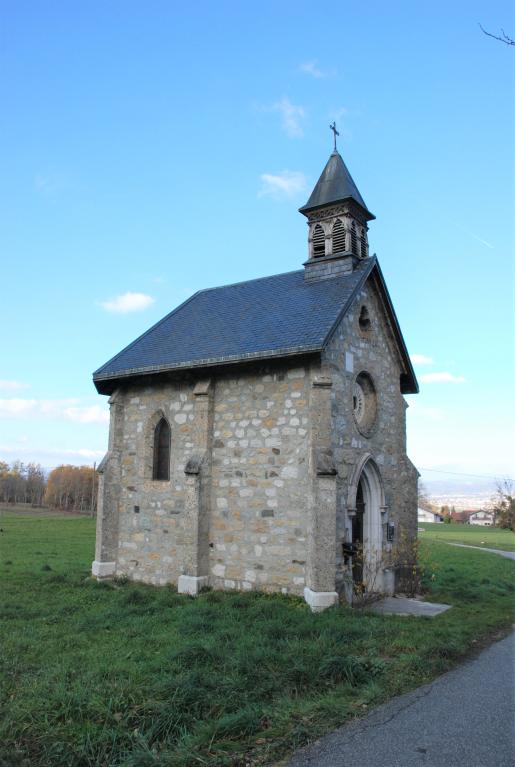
(364, 403)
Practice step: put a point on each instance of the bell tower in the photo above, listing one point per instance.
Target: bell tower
(337, 220)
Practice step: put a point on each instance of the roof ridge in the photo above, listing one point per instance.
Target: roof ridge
(254, 279)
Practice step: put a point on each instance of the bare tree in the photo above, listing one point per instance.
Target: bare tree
(35, 484)
(504, 505)
(503, 37)
(424, 499)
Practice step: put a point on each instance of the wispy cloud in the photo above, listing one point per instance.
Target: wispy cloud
(425, 412)
(128, 302)
(421, 359)
(8, 385)
(53, 456)
(292, 117)
(16, 408)
(311, 68)
(59, 409)
(285, 184)
(50, 184)
(338, 114)
(92, 414)
(443, 377)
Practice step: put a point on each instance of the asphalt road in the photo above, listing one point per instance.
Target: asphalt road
(465, 718)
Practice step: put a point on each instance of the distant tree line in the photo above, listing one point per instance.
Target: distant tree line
(22, 483)
(70, 488)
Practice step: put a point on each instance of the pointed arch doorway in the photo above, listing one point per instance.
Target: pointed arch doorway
(366, 511)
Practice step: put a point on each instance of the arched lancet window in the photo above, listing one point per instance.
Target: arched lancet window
(318, 242)
(353, 239)
(363, 244)
(365, 325)
(161, 463)
(338, 237)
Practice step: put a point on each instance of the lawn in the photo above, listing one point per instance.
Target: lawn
(473, 535)
(125, 675)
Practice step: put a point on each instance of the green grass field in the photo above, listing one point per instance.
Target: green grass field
(125, 675)
(473, 535)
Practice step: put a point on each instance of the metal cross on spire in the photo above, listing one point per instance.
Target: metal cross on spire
(333, 128)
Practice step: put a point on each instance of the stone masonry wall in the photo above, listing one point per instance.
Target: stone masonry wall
(248, 501)
(153, 535)
(260, 482)
(349, 352)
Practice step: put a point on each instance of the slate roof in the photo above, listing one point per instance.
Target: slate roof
(334, 185)
(276, 316)
(268, 317)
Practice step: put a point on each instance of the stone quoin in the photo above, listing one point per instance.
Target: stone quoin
(258, 432)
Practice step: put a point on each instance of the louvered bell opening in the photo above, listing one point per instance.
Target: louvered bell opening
(363, 247)
(338, 237)
(318, 242)
(354, 240)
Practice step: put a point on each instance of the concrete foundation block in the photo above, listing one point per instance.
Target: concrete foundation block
(389, 581)
(103, 569)
(192, 584)
(320, 600)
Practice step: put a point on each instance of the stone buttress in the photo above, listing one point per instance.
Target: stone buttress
(198, 493)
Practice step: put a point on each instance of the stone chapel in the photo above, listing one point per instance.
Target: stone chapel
(258, 431)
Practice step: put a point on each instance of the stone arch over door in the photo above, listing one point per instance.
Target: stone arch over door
(366, 498)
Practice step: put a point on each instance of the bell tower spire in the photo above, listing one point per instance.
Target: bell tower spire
(337, 219)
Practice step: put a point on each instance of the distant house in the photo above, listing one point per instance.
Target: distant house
(474, 517)
(482, 517)
(462, 517)
(428, 516)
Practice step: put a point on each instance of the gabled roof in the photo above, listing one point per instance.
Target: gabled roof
(334, 185)
(271, 317)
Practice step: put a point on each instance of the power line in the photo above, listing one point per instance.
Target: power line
(463, 474)
(422, 468)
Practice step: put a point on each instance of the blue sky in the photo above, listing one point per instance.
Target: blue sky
(150, 149)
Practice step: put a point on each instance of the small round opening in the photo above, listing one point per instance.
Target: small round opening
(364, 403)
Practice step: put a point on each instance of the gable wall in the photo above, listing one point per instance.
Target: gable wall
(348, 353)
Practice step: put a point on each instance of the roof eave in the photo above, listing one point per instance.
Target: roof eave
(408, 380)
(366, 273)
(409, 383)
(307, 209)
(124, 375)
